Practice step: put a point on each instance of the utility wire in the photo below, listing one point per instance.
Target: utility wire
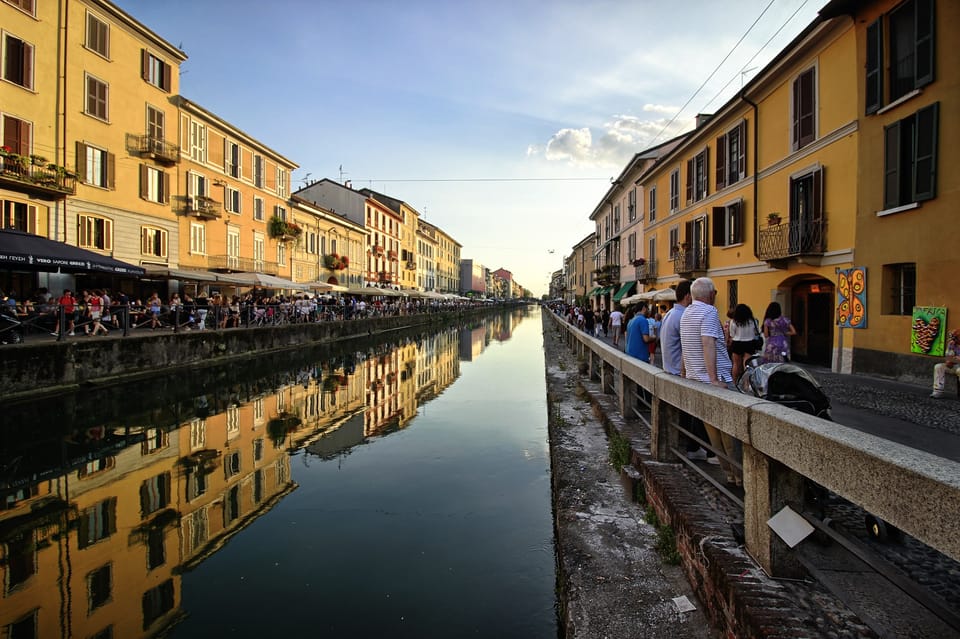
(712, 73)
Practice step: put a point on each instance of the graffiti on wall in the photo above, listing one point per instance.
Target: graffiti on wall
(852, 297)
(928, 330)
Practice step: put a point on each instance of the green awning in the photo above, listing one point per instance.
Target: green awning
(624, 290)
(606, 290)
(595, 291)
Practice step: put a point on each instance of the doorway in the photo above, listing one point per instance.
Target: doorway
(812, 315)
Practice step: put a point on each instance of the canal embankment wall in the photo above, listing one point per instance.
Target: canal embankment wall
(51, 367)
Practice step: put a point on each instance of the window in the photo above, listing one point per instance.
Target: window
(733, 293)
(99, 585)
(616, 218)
(632, 247)
(728, 224)
(94, 232)
(674, 190)
(23, 5)
(674, 241)
(233, 249)
(282, 178)
(652, 250)
(731, 156)
(652, 205)
(154, 70)
(280, 212)
(198, 142)
(97, 522)
(806, 228)
(19, 216)
(232, 200)
(803, 116)
(258, 171)
(154, 185)
(17, 134)
(281, 254)
(98, 35)
(258, 208)
(900, 285)
(153, 242)
(197, 185)
(95, 166)
(231, 159)
(154, 494)
(632, 205)
(97, 96)
(198, 239)
(258, 252)
(156, 602)
(155, 123)
(910, 158)
(911, 46)
(17, 61)
(697, 177)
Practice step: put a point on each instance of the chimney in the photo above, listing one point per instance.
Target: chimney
(703, 118)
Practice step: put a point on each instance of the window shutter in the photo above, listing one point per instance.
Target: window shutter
(145, 244)
(719, 237)
(688, 232)
(165, 77)
(10, 132)
(795, 123)
(111, 171)
(163, 243)
(144, 64)
(924, 53)
(874, 67)
(24, 130)
(817, 196)
(27, 65)
(742, 151)
(705, 174)
(925, 166)
(721, 162)
(165, 187)
(82, 160)
(891, 177)
(144, 182)
(690, 170)
(108, 235)
(736, 222)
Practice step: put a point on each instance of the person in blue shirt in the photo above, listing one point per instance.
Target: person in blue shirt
(638, 335)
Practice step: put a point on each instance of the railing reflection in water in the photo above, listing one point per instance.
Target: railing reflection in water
(109, 496)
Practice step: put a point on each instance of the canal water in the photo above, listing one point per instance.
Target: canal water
(386, 488)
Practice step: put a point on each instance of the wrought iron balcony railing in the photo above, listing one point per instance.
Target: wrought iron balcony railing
(149, 146)
(200, 206)
(792, 239)
(41, 180)
(688, 261)
(647, 271)
(242, 264)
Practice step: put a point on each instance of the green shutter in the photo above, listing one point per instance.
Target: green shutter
(925, 161)
(721, 162)
(891, 166)
(874, 67)
(923, 60)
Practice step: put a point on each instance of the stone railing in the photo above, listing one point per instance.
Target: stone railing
(781, 447)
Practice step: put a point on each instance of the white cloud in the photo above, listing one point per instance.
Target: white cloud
(613, 144)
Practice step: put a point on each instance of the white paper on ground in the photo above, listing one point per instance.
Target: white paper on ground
(683, 604)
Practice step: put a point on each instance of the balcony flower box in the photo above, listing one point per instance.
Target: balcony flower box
(280, 229)
(336, 262)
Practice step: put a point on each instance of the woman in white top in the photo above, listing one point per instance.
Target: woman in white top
(741, 336)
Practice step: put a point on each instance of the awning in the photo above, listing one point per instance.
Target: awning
(263, 280)
(594, 292)
(623, 291)
(19, 250)
(179, 274)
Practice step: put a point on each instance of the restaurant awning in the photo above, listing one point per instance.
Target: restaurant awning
(181, 274)
(623, 291)
(594, 292)
(25, 251)
(265, 281)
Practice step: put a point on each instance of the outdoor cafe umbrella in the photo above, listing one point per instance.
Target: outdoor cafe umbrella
(28, 252)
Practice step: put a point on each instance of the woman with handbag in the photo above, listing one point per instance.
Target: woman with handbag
(743, 338)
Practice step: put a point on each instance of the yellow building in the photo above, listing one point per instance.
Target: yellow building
(426, 256)
(447, 263)
(383, 250)
(758, 196)
(327, 238)
(908, 82)
(579, 267)
(409, 218)
(231, 198)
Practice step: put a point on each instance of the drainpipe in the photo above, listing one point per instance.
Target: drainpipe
(60, 116)
(756, 178)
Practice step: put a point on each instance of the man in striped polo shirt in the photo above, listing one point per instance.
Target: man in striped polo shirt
(705, 358)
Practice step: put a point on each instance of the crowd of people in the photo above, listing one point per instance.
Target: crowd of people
(100, 311)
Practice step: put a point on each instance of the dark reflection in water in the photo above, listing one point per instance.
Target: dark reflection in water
(379, 488)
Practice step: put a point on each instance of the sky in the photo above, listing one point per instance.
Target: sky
(502, 122)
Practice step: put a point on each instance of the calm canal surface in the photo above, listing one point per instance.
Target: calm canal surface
(387, 489)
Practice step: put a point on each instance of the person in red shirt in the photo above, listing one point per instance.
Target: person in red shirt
(95, 304)
(69, 304)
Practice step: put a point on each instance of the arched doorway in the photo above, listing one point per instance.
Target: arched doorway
(333, 280)
(811, 309)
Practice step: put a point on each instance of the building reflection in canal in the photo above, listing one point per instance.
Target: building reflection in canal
(103, 512)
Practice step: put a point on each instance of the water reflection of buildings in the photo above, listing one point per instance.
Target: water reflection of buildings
(97, 527)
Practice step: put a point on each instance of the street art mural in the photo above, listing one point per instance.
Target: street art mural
(928, 330)
(852, 297)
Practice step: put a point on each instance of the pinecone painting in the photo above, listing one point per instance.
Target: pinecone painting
(925, 333)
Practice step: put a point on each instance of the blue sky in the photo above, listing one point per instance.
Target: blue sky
(535, 104)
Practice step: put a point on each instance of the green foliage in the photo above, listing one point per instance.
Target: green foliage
(619, 450)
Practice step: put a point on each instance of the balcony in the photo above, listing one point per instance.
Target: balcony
(200, 206)
(241, 264)
(779, 243)
(392, 256)
(647, 272)
(45, 181)
(150, 147)
(607, 275)
(385, 277)
(411, 265)
(690, 262)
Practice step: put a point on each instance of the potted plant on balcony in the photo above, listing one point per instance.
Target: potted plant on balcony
(773, 218)
(280, 229)
(639, 261)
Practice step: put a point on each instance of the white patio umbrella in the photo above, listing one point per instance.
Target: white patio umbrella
(666, 295)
